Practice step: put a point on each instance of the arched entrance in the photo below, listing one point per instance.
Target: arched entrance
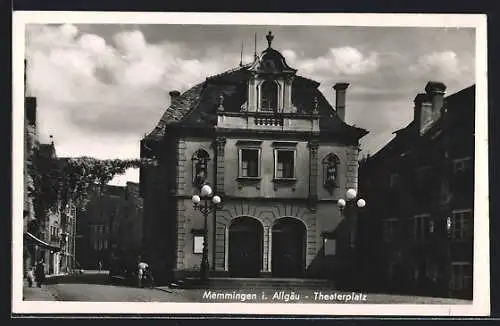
(245, 247)
(288, 248)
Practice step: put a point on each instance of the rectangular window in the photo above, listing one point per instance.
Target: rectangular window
(249, 162)
(105, 244)
(96, 245)
(420, 226)
(284, 164)
(462, 222)
(462, 165)
(389, 229)
(461, 276)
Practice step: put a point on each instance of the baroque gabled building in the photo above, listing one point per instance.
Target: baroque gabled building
(417, 232)
(279, 155)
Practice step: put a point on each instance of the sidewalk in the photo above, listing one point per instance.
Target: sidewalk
(36, 294)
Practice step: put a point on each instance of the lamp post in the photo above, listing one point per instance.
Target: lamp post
(347, 207)
(210, 203)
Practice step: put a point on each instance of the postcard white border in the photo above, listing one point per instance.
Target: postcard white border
(481, 296)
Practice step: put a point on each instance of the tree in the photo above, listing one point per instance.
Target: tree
(59, 182)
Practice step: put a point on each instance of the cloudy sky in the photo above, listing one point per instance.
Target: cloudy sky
(100, 88)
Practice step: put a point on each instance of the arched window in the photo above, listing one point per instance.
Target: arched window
(269, 96)
(200, 167)
(330, 171)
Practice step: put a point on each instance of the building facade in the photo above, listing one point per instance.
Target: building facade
(417, 232)
(45, 228)
(129, 226)
(97, 227)
(278, 154)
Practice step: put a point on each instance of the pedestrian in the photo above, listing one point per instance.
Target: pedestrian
(30, 276)
(40, 273)
(99, 266)
(141, 270)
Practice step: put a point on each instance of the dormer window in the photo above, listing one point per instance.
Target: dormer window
(269, 96)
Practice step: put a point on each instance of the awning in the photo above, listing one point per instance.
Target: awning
(30, 237)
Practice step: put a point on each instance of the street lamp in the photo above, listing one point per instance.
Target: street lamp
(343, 204)
(347, 206)
(210, 203)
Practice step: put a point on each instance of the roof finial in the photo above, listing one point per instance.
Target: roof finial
(269, 38)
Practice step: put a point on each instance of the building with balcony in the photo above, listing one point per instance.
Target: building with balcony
(417, 232)
(276, 152)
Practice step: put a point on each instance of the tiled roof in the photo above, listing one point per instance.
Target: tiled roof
(454, 102)
(198, 105)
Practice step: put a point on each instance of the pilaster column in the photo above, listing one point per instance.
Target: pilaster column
(220, 144)
(313, 173)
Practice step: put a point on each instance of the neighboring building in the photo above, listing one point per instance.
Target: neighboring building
(417, 231)
(42, 225)
(280, 157)
(130, 223)
(30, 144)
(97, 227)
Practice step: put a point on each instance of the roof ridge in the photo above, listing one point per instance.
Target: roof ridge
(229, 71)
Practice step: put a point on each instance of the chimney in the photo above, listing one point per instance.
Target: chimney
(435, 91)
(417, 109)
(340, 89)
(174, 95)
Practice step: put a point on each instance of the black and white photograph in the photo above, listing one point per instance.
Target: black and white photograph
(317, 164)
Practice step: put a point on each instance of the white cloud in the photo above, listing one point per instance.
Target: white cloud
(442, 65)
(340, 61)
(94, 92)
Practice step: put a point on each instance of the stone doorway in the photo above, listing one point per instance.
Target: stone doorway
(245, 247)
(288, 248)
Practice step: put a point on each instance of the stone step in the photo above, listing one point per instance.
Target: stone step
(274, 283)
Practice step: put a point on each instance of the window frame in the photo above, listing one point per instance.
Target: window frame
(284, 147)
(461, 165)
(277, 152)
(240, 162)
(462, 266)
(392, 222)
(463, 233)
(260, 97)
(424, 219)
